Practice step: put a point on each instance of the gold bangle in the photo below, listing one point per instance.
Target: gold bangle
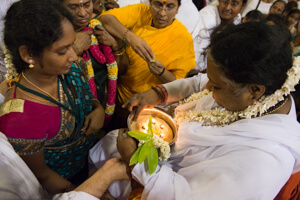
(124, 36)
(121, 53)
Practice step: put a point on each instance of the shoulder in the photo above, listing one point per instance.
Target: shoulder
(209, 17)
(181, 32)
(210, 10)
(139, 8)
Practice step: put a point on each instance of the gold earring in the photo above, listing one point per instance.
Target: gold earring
(31, 65)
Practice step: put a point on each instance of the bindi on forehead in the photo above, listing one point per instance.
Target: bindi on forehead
(164, 2)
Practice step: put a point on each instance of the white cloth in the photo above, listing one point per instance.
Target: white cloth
(188, 15)
(209, 20)
(248, 159)
(2, 98)
(18, 182)
(251, 5)
(16, 179)
(5, 4)
(123, 3)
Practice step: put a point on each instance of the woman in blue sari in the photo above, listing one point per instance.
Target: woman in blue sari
(49, 115)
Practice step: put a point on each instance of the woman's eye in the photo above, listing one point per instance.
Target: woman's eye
(62, 53)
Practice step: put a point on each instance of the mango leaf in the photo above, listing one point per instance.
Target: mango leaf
(150, 132)
(139, 135)
(135, 157)
(152, 159)
(145, 151)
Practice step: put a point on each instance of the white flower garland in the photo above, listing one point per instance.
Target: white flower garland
(11, 70)
(165, 151)
(222, 116)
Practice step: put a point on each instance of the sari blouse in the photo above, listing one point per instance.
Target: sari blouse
(32, 127)
(172, 45)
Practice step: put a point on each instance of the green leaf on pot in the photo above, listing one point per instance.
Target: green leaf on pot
(152, 159)
(139, 135)
(145, 151)
(135, 157)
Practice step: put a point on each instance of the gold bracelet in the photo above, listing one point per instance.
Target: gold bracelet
(124, 36)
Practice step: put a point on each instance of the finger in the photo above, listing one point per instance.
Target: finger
(137, 113)
(141, 54)
(130, 103)
(121, 131)
(149, 54)
(89, 32)
(98, 27)
(145, 51)
(86, 124)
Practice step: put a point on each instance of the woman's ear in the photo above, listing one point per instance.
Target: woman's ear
(26, 55)
(256, 91)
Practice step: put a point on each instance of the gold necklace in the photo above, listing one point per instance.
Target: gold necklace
(56, 99)
(276, 107)
(23, 92)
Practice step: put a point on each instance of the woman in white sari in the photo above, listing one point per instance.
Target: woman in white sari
(211, 16)
(241, 141)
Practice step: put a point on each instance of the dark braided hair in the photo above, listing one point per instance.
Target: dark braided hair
(34, 24)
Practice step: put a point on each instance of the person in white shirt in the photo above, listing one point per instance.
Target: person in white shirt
(211, 16)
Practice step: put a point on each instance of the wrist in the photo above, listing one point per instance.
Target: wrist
(116, 46)
(127, 36)
(161, 73)
(76, 49)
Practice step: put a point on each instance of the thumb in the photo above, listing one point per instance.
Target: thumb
(86, 124)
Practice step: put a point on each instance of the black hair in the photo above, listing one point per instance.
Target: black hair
(253, 53)
(293, 11)
(178, 1)
(277, 19)
(199, 4)
(254, 15)
(34, 24)
(282, 1)
(291, 5)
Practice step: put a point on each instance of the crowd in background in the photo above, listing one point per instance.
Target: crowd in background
(108, 54)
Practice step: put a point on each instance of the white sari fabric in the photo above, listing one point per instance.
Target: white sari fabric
(209, 20)
(17, 182)
(16, 179)
(248, 159)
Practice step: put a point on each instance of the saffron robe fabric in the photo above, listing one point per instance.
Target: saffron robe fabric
(248, 159)
(172, 45)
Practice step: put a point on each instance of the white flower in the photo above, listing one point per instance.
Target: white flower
(11, 70)
(259, 108)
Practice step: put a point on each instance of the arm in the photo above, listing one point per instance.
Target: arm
(117, 46)
(82, 42)
(51, 181)
(115, 28)
(158, 69)
(94, 187)
(176, 91)
(114, 169)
